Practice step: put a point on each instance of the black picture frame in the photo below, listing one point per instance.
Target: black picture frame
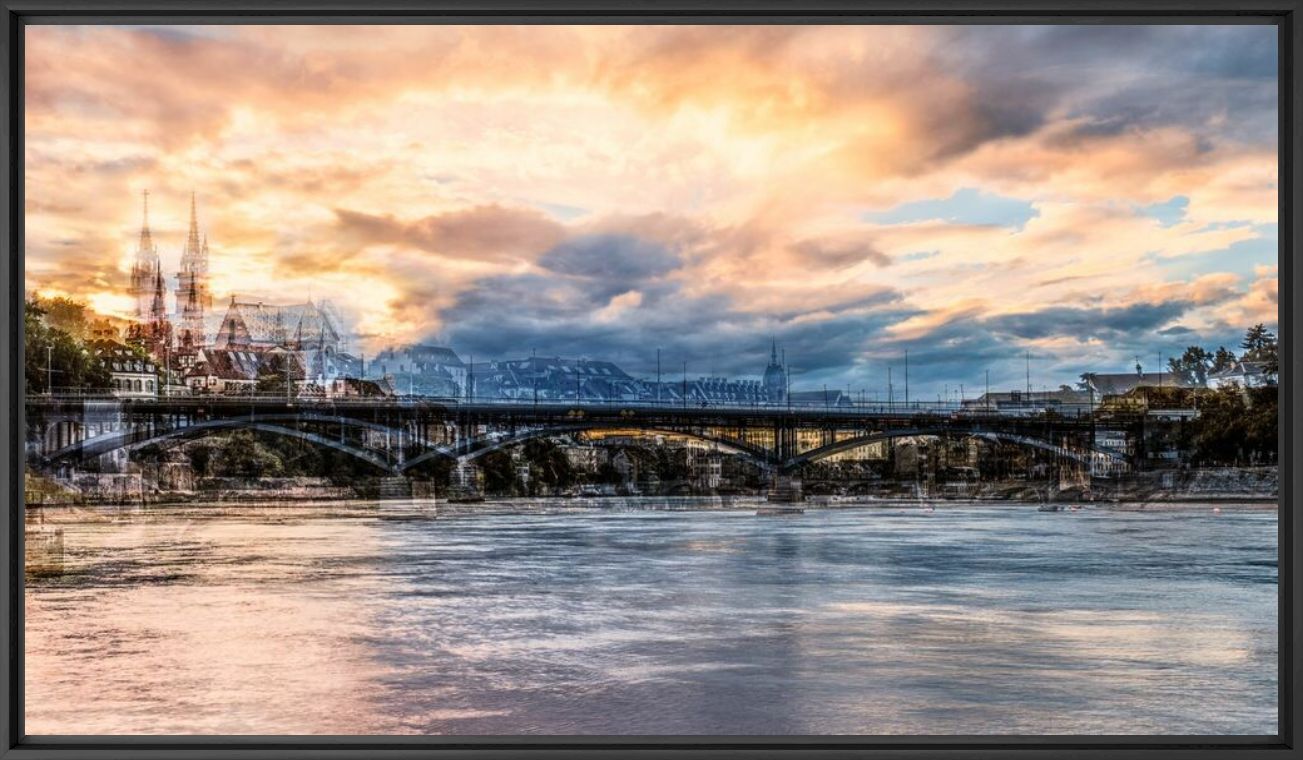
(16, 14)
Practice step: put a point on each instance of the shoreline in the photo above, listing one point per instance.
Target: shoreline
(717, 503)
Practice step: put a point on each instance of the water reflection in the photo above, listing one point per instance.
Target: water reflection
(377, 620)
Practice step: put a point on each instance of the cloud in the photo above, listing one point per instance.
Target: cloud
(967, 192)
(613, 258)
(482, 232)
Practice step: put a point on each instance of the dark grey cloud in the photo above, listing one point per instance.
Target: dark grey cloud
(1123, 77)
(617, 257)
(1087, 323)
(560, 311)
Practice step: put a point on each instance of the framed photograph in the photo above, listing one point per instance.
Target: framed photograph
(510, 379)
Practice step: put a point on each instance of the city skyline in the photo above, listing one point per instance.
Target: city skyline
(616, 204)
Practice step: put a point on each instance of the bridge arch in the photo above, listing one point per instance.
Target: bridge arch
(838, 447)
(135, 438)
(474, 448)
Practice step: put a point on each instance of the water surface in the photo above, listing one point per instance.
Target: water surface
(610, 620)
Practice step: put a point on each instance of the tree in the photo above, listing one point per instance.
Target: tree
(1257, 340)
(244, 456)
(1192, 366)
(67, 315)
(499, 472)
(1271, 362)
(53, 356)
(272, 376)
(1223, 359)
(549, 463)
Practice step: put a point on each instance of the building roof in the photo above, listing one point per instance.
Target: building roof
(262, 325)
(226, 365)
(1239, 369)
(830, 397)
(421, 352)
(359, 387)
(1116, 384)
(1060, 396)
(121, 358)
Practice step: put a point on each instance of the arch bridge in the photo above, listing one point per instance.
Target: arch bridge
(396, 436)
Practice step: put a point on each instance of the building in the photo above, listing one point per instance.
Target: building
(549, 379)
(775, 377)
(224, 371)
(151, 331)
(1116, 384)
(1245, 374)
(193, 298)
(352, 387)
(1065, 401)
(581, 458)
(830, 398)
(419, 370)
(130, 375)
(705, 463)
(259, 326)
(146, 271)
(307, 329)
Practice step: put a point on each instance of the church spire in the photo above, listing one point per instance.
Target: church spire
(193, 248)
(145, 267)
(146, 251)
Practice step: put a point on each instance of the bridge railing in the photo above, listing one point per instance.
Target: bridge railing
(844, 406)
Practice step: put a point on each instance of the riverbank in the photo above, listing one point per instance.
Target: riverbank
(430, 507)
(1210, 485)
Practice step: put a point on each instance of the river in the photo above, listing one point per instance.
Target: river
(623, 618)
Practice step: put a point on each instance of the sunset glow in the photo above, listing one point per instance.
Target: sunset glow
(967, 194)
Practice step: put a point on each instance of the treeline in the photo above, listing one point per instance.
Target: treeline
(254, 454)
(57, 351)
(1196, 364)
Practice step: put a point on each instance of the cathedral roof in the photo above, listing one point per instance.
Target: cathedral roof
(271, 324)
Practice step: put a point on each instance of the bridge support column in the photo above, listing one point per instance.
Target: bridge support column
(784, 489)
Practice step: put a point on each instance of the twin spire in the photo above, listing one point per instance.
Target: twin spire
(192, 294)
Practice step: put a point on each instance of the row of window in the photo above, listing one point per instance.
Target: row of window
(132, 366)
(133, 385)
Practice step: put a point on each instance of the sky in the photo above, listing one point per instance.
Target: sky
(970, 195)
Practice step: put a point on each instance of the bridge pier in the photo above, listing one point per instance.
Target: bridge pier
(784, 489)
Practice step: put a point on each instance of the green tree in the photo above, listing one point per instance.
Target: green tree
(53, 356)
(1192, 366)
(273, 377)
(242, 455)
(1257, 340)
(1223, 359)
(67, 315)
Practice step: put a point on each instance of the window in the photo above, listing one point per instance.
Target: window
(149, 385)
(137, 385)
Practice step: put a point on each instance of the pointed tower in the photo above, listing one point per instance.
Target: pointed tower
(193, 298)
(145, 269)
(775, 382)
